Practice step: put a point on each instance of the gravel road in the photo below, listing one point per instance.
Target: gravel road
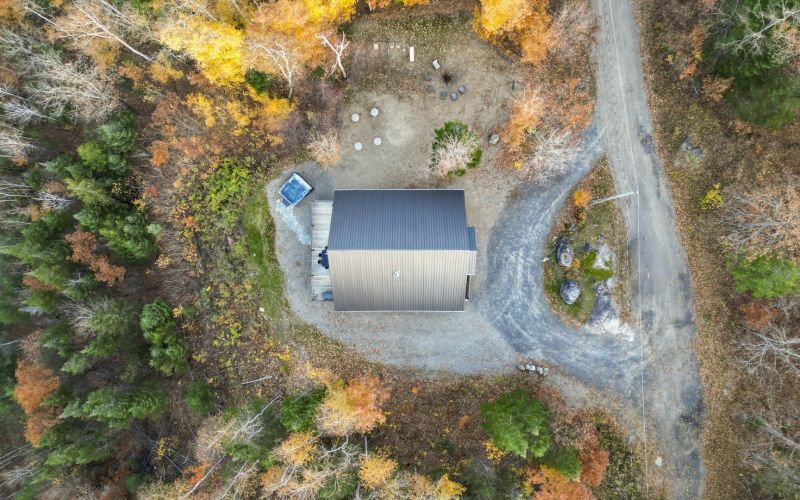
(509, 317)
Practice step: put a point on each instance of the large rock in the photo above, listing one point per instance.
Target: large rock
(570, 291)
(564, 253)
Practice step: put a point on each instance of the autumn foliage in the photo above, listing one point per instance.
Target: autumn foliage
(350, 407)
(581, 198)
(756, 314)
(522, 22)
(552, 485)
(83, 246)
(594, 462)
(375, 471)
(35, 382)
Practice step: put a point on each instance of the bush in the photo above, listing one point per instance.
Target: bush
(167, 351)
(218, 202)
(772, 103)
(518, 424)
(299, 411)
(125, 229)
(455, 149)
(565, 461)
(259, 81)
(116, 408)
(200, 397)
(765, 277)
(119, 133)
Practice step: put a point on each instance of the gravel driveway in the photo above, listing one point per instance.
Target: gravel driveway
(509, 319)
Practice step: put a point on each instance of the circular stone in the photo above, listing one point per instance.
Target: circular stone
(358, 146)
(376, 141)
(355, 117)
(374, 112)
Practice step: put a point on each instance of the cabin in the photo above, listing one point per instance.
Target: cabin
(395, 250)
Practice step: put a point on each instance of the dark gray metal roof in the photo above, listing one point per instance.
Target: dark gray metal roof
(400, 219)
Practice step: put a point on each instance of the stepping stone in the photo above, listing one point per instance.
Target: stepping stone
(358, 146)
(462, 89)
(428, 77)
(374, 112)
(377, 141)
(355, 117)
(494, 139)
(454, 96)
(430, 88)
(515, 86)
(436, 64)
(443, 94)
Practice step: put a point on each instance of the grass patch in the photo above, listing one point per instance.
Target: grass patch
(260, 237)
(600, 220)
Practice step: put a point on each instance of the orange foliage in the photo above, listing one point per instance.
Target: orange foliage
(581, 198)
(756, 315)
(159, 153)
(34, 383)
(297, 449)
(35, 285)
(555, 486)
(351, 407)
(594, 462)
(526, 115)
(83, 246)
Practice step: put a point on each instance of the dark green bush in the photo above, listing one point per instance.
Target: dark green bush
(299, 411)
(118, 408)
(167, 351)
(126, 230)
(765, 277)
(565, 461)
(119, 133)
(200, 397)
(260, 82)
(772, 103)
(518, 424)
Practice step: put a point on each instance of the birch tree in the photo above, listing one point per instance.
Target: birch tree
(338, 51)
(87, 21)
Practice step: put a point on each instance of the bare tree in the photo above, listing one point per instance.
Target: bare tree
(282, 59)
(454, 153)
(14, 143)
(89, 20)
(779, 20)
(764, 220)
(338, 51)
(552, 154)
(56, 85)
(324, 147)
(773, 350)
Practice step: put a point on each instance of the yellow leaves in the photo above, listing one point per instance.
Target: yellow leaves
(493, 453)
(375, 471)
(162, 71)
(581, 198)
(218, 48)
(713, 198)
(526, 114)
(203, 108)
(447, 489)
(524, 22)
(330, 11)
(352, 407)
(297, 449)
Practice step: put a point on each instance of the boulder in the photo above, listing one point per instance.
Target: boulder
(443, 94)
(494, 139)
(515, 86)
(454, 96)
(436, 64)
(428, 77)
(570, 291)
(462, 89)
(564, 253)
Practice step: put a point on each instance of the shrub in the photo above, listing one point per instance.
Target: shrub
(518, 424)
(712, 199)
(259, 81)
(167, 351)
(299, 411)
(125, 229)
(217, 203)
(765, 277)
(116, 408)
(565, 461)
(455, 149)
(200, 397)
(119, 133)
(772, 103)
